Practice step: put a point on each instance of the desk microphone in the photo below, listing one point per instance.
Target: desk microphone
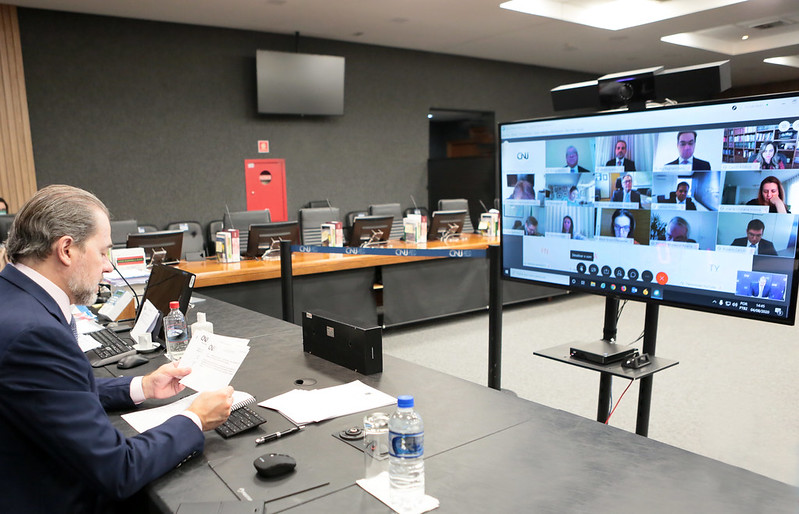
(229, 217)
(485, 209)
(415, 207)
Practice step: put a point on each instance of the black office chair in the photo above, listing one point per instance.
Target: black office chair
(349, 221)
(412, 210)
(315, 204)
(311, 223)
(210, 239)
(193, 237)
(390, 209)
(458, 204)
(120, 230)
(5, 225)
(148, 228)
(242, 220)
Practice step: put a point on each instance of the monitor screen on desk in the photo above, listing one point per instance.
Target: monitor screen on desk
(266, 237)
(445, 224)
(170, 241)
(167, 284)
(661, 205)
(370, 230)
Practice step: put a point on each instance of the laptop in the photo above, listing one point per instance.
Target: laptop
(166, 284)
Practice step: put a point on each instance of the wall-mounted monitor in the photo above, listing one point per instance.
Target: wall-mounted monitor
(264, 238)
(446, 224)
(168, 241)
(370, 230)
(294, 83)
(689, 205)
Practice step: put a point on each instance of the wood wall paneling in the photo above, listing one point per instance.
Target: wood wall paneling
(18, 175)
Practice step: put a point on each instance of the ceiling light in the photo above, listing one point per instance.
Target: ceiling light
(613, 14)
(744, 37)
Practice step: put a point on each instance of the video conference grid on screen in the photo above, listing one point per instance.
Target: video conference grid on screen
(690, 205)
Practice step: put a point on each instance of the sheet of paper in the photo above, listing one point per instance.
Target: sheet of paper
(213, 360)
(148, 418)
(146, 320)
(308, 406)
(87, 342)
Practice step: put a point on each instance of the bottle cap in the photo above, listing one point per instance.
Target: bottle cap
(404, 401)
(174, 305)
(200, 317)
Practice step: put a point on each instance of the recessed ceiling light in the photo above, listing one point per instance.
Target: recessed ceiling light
(613, 14)
(745, 37)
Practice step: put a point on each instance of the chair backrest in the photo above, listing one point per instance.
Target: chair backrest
(390, 209)
(213, 227)
(120, 230)
(412, 210)
(242, 221)
(314, 204)
(349, 218)
(193, 237)
(148, 228)
(458, 204)
(5, 225)
(311, 223)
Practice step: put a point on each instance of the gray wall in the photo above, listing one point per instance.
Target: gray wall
(157, 118)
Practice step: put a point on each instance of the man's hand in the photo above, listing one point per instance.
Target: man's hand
(165, 381)
(213, 407)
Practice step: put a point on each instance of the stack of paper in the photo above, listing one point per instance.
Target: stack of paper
(303, 406)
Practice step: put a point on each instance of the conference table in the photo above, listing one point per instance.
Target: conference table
(384, 290)
(485, 450)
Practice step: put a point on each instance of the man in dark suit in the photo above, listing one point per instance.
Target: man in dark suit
(686, 144)
(621, 157)
(680, 197)
(626, 193)
(761, 288)
(59, 451)
(754, 239)
(571, 161)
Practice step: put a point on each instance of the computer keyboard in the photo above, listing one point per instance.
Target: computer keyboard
(240, 420)
(113, 348)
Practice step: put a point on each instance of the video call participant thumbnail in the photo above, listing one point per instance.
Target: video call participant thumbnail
(620, 158)
(678, 230)
(686, 144)
(771, 194)
(627, 193)
(572, 161)
(754, 239)
(680, 197)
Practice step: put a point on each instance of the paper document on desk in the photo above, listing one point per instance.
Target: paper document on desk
(303, 406)
(148, 418)
(213, 360)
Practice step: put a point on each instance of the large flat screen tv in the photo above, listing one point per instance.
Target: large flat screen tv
(294, 83)
(688, 205)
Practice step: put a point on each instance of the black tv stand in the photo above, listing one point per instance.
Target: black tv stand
(562, 353)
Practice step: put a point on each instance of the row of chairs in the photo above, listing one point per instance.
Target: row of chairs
(197, 239)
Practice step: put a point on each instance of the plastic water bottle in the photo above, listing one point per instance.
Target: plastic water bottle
(176, 332)
(406, 452)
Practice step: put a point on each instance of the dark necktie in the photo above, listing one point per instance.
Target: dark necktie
(74, 326)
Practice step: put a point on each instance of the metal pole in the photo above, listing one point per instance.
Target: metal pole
(606, 379)
(494, 318)
(286, 281)
(645, 387)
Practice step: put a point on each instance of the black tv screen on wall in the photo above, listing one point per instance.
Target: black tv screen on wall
(303, 84)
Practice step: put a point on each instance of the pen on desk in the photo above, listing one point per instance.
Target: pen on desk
(278, 435)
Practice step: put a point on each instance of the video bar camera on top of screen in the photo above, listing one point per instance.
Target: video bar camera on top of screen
(632, 89)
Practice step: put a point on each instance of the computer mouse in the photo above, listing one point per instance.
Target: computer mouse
(274, 464)
(131, 361)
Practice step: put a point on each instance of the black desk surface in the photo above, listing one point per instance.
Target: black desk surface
(486, 451)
